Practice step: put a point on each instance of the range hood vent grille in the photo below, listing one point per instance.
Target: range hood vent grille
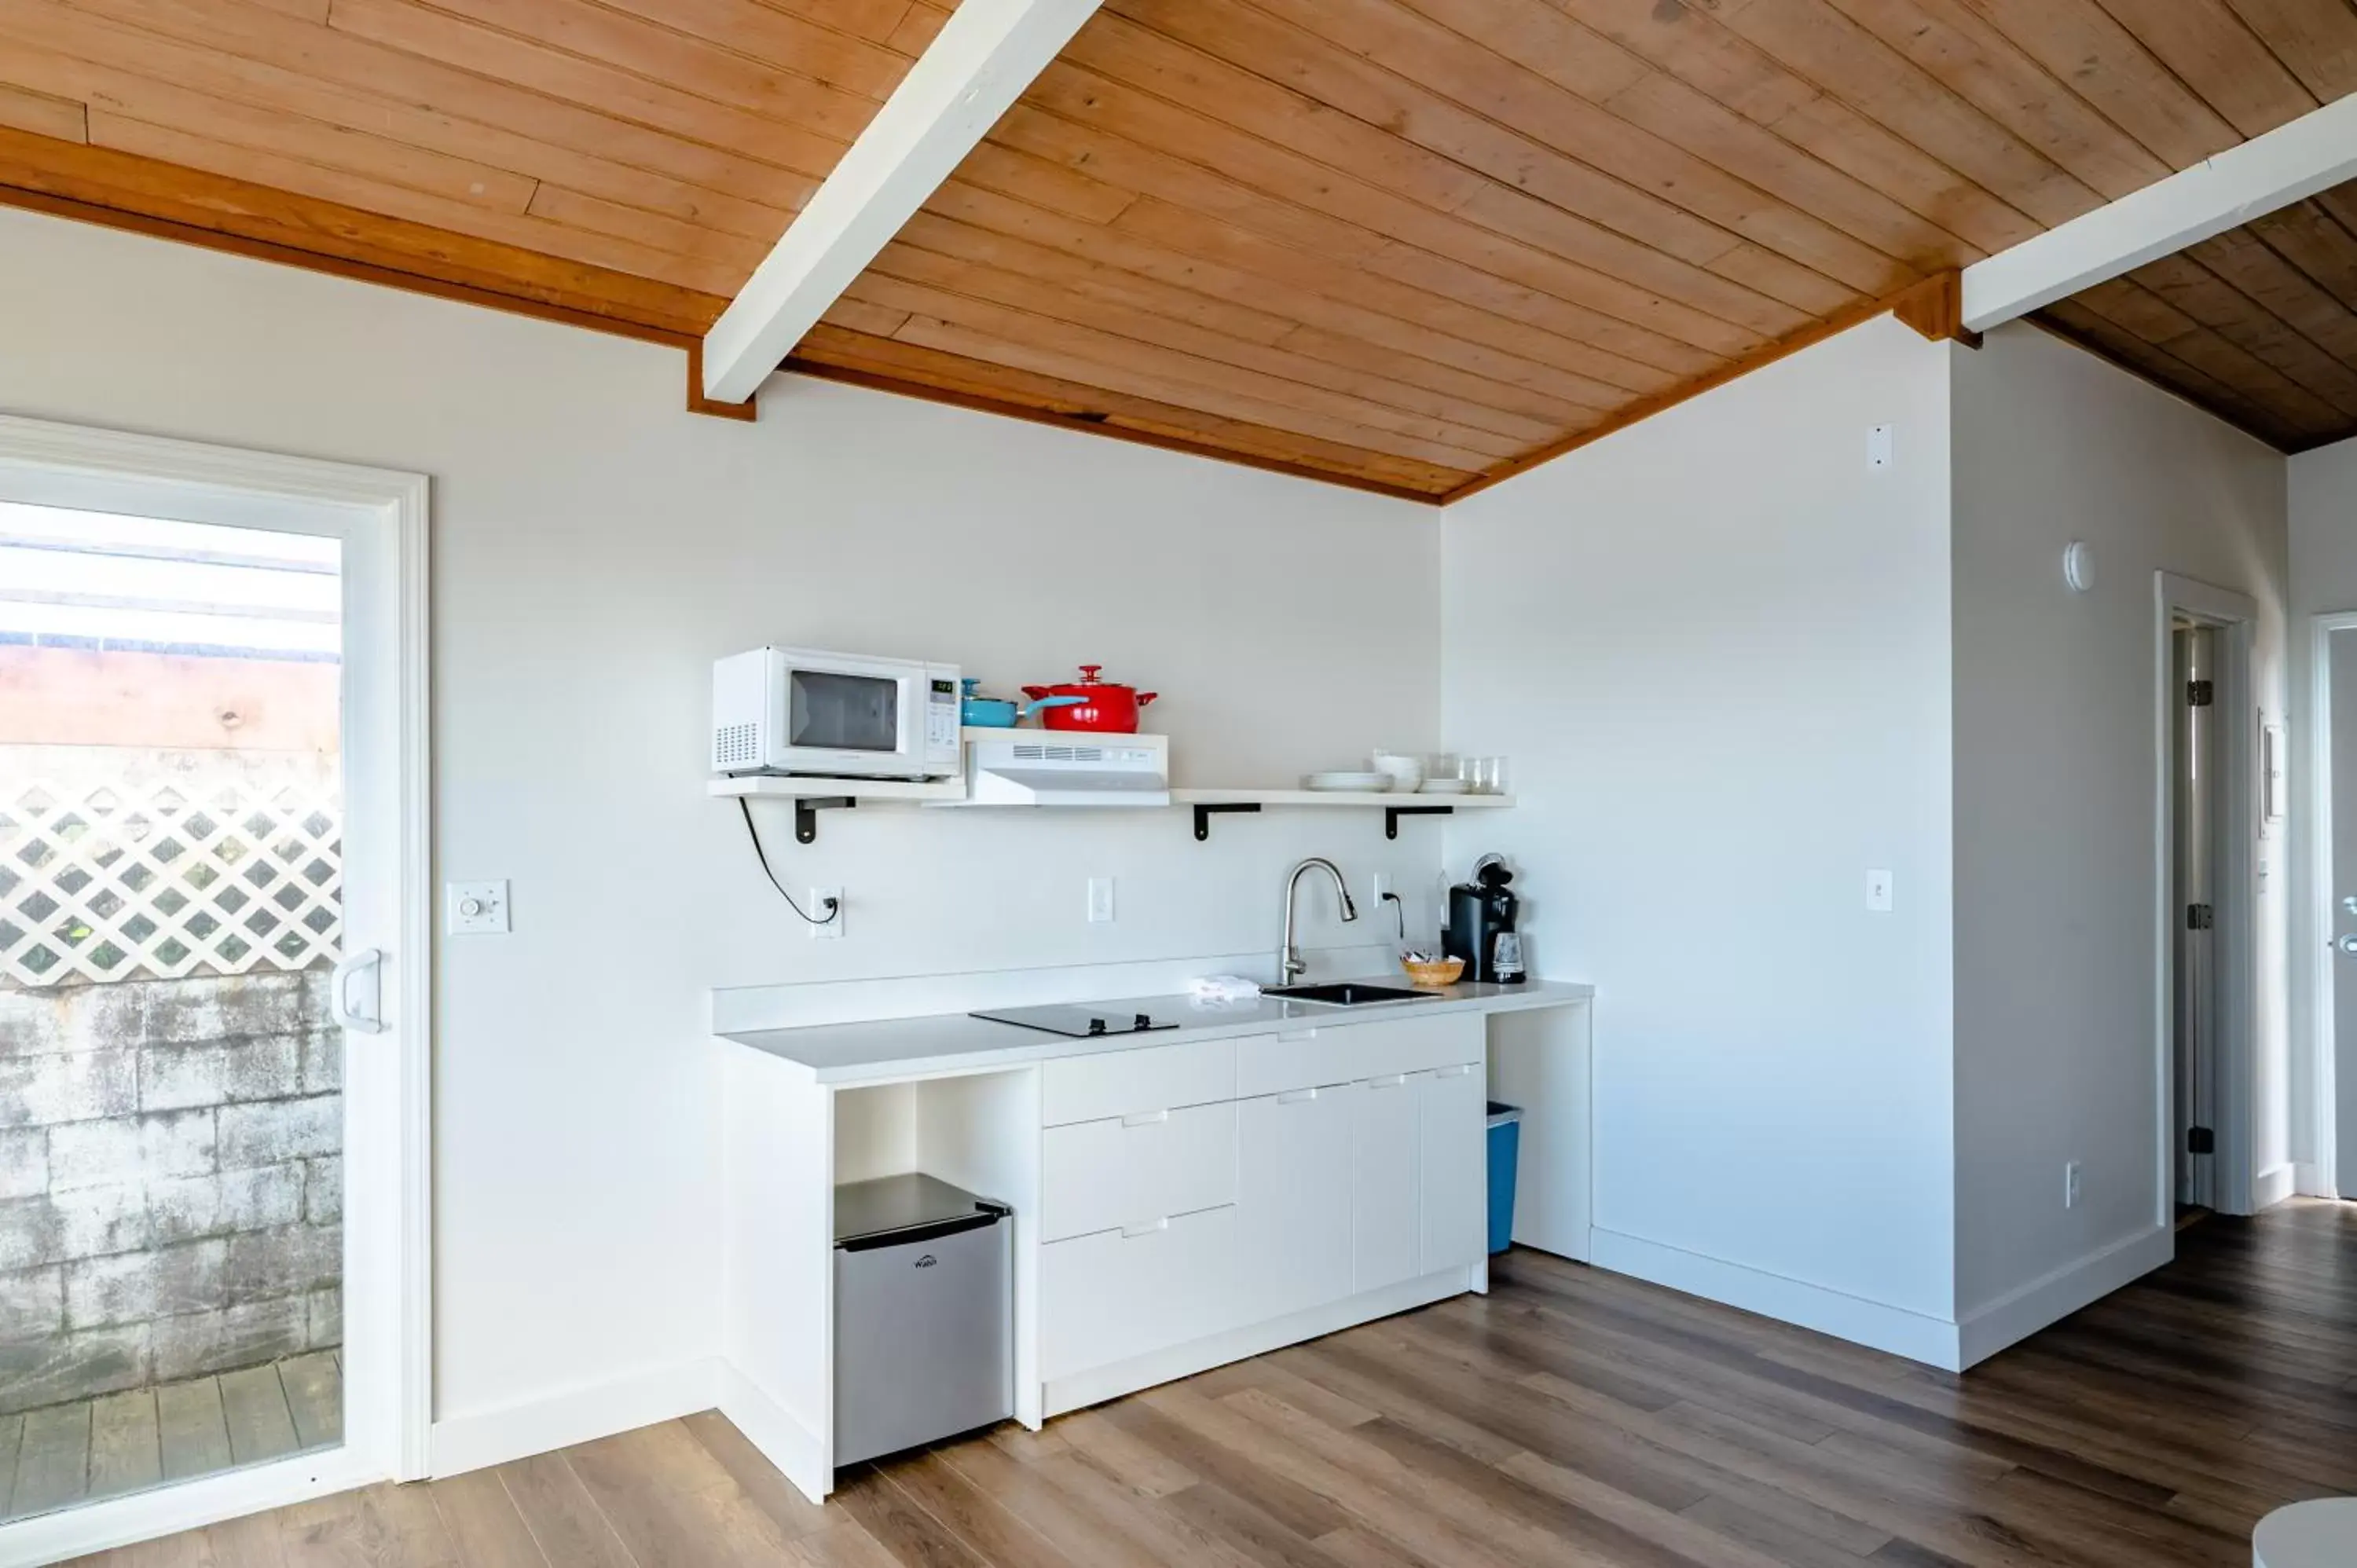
(1059, 754)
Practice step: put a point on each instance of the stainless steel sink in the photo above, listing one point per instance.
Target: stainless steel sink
(1348, 994)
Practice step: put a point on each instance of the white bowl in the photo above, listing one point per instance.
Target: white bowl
(1444, 787)
(1405, 772)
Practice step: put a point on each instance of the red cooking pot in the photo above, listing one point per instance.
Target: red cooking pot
(1105, 706)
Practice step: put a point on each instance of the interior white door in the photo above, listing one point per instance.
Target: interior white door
(1385, 1159)
(2343, 892)
(2194, 807)
(1294, 1198)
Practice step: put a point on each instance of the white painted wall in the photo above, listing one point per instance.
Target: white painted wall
(594, 548)
(2056, 819)
(1714, 648)
(2323, 582)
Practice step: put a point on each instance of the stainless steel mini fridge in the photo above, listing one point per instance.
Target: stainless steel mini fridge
(924, 1322)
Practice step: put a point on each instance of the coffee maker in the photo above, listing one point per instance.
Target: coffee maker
(1481, 930)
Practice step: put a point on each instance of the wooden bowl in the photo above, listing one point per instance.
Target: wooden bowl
(1433, 975)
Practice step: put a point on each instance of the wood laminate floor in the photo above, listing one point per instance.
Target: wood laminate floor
(62, 1455)
(1571, 1417)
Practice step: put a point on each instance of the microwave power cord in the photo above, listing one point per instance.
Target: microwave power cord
(834, 908)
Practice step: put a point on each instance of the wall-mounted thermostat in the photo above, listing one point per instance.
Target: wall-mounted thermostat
(2079, 566)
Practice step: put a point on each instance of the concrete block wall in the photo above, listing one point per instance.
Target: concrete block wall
(171, 1181)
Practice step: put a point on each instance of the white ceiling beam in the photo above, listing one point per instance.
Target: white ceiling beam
(977, 66)
(2288, 164)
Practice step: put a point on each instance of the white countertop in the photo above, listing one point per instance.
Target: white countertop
(895, 1048)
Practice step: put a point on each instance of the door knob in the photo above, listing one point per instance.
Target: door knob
(2348, 946)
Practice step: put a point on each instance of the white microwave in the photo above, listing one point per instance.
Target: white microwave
(834, 715)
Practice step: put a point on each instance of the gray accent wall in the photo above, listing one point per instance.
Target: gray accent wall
(171, 1181)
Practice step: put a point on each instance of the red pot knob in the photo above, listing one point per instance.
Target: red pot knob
(1089, 673)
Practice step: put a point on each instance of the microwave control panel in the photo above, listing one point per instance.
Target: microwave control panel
(942, 717)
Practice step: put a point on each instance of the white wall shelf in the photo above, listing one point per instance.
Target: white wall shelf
(1395, 803)
(812, 795)
(1397, 799)
(758, 787)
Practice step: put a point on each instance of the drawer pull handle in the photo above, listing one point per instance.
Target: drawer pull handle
(1296, 1096)
(1146, 1118)
(1459, 1071)
(1391, 1080)
(1132, 1233)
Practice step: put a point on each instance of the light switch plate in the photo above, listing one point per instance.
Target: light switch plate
(477, 909)
(1100, 900)
(1877, 892)
(1877, 447)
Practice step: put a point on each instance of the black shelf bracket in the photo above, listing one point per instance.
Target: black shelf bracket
(1203, 811)
(806, 810)
(1392, 814)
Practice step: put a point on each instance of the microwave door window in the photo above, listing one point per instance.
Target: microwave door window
(843, 712)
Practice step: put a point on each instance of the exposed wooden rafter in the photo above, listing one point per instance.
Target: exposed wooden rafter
(2287, 165)
(972, 73)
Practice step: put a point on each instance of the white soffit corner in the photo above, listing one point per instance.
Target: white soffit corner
(977, 66)
(2288, 164)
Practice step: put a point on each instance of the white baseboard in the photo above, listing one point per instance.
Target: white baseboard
(577, 1415)
(1877, 1325)
(2018, 1314)
(786, 1443)
(1115, 1378)
(2308, 1180)
(2273, 1185)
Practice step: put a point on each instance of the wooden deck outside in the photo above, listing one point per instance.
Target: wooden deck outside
(67, 1453)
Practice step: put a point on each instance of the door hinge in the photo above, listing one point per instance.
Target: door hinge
(2199, 916)
(2200, 693)
(2200, 1141)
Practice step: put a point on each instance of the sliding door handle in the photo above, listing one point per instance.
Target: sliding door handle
(356, 992)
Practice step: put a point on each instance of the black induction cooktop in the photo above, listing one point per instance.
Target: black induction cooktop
(1080, 1022)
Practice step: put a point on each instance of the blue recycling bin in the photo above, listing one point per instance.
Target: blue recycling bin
(1505, 1147)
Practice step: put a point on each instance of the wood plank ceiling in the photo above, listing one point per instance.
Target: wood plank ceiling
(1401, 243)
(2258, 326)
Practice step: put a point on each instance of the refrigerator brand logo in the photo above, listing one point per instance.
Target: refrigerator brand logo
(926, 1262)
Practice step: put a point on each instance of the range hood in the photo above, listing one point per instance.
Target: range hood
(1066, 767)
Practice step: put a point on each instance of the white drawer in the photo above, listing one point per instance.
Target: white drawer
(1116, 1294)
(1101, 1175)
(1345, 1052)
(1151, 1077)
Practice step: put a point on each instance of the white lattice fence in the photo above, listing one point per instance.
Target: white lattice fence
(117, 863)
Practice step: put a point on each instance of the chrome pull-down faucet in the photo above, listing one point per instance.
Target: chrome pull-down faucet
(1290, 966)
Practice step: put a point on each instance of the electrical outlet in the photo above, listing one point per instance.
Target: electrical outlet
(1877, 892)
(825, 929)
(477, 909)
(2071, 1185)
(1100, 900)
(1381, 884)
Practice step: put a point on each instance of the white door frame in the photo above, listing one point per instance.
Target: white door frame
(2316, 952)
(388, 1291)
(2235, 617)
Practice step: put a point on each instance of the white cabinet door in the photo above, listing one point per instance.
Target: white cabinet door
(1119, 1293)
(1453, 1131)
(1386, 1147)
(1294, 1202)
